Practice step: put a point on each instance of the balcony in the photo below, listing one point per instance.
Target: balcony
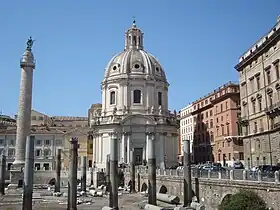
(273, 110)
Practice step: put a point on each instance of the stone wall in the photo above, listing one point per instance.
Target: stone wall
(211, 192)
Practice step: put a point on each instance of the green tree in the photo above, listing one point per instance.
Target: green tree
(243, 200)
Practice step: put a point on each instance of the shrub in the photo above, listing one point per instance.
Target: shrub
(244, 200)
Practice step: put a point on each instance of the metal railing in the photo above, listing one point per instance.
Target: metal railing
(237, 174)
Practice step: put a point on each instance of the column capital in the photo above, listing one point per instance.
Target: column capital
(113, 134)
(150, 133)
(162, 133)
(127, 133)
(174, 134)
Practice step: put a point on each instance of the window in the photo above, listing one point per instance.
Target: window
(223, 130)
(211, 113)
(1, 141)
(241, 156)
(276, 66)
(47, 142)
(134, 40)
(228, 129)
(211, 136)
(137, 96)
(268, 76)
(211, 123)
(254, 107)
(37, 152)
(260, 104)
(229, 156)
(258, 83)
(270, 101)
(12, 142)
(255, 127)
(221, 107)
(46, 166)
(41, 118)
(206, 114)
(264, 161)
(112, 97)
(38, 142)
(159, 98)
(226, 105)
(33, 117)
(37, 166)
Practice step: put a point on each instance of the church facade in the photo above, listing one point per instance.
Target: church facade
(134, 107)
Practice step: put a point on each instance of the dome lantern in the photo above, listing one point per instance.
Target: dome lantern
(134, 38)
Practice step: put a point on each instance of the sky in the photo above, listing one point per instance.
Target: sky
(197, 42)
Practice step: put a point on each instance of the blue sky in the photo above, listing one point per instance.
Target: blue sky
(197, 42)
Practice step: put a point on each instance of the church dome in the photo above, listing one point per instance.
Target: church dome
(134, 60)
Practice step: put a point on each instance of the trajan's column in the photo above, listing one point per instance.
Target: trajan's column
(27, 65)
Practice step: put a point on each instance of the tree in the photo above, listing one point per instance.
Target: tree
(245, 200)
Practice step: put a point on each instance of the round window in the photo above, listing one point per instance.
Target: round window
(157, 69)
(114, 68)
(137, 66)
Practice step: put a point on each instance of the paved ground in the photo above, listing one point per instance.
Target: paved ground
(13, 201)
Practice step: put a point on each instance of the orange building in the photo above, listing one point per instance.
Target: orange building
(216, 135)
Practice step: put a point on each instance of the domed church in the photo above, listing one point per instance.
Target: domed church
(134, 107)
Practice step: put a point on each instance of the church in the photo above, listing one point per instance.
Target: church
(134, 107)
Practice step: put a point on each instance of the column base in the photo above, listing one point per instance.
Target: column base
(16, 177)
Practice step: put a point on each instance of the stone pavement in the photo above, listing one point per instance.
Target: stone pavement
(45, 201)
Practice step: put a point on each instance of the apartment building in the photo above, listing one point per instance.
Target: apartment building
(259, 77)
(216, 132)
(186, 127)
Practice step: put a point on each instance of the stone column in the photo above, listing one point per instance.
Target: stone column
(123, 158)
(132, 171)
(27, 65)
(84, 174)
(2, 174)
(95, 148)
(128, 144)
(114, 170)
(187, 173)
(145, 149)
(151, 168)
(58, 171)
(72, 180)
(28, 174)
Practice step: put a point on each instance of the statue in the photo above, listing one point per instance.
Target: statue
(160, 110)
(29, 43)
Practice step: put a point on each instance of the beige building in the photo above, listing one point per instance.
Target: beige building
(51, 134)
(259, 79)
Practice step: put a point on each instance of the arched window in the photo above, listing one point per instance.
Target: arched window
(112, 97)
(159, 98)
(137, 96)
